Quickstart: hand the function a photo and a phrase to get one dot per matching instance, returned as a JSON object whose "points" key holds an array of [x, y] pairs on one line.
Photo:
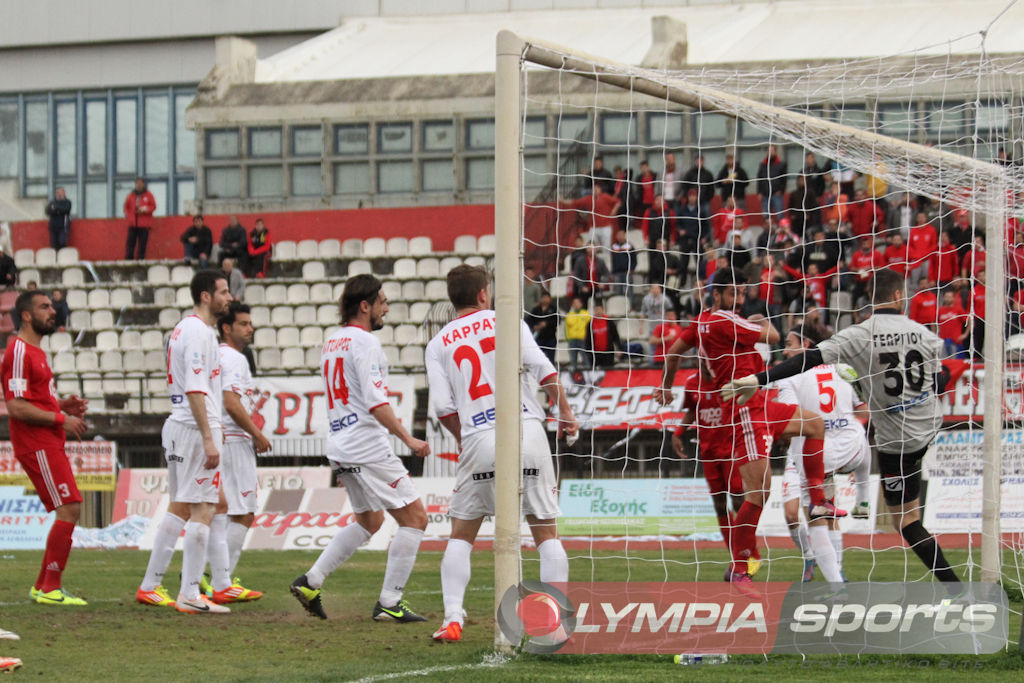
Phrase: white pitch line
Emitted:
{"points": [[490, 662], [32, 602]]}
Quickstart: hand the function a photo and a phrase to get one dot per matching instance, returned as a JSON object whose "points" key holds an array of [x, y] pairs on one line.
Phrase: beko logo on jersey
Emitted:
{"points": [[836, 423], [347, 421], [177, 398], [483, 417], [463, 332]]}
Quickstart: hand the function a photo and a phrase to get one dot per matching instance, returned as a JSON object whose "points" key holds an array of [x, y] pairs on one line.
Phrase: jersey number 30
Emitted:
{"points": [[477, 389]]}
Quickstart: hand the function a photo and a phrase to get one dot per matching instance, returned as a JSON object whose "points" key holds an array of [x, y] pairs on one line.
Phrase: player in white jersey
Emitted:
{"points": [[192, 439], [899, 363], [355, 373], [823, 390], [236, 508], [460, 371]]}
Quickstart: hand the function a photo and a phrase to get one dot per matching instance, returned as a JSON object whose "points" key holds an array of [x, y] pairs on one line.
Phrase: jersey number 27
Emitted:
{"points": [[477, 389]]}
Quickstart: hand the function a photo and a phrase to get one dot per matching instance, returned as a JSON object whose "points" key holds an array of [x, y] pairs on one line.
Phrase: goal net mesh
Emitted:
{"points": [[806, 179]]}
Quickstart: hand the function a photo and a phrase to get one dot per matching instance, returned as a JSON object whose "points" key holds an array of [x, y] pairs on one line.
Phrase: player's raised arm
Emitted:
{"points": [[567, 423], [663, 394]]}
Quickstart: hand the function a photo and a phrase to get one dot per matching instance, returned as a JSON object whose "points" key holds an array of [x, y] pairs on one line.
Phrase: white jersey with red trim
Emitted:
{"points": [[355, 374], [236, 378], [461, 368], [193, 366]]}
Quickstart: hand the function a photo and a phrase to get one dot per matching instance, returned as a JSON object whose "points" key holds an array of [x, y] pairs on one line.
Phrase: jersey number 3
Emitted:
{"points": [[337, 390], [477, 389]]}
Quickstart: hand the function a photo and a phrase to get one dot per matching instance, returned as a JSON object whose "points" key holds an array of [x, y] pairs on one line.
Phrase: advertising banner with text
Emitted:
{"points": [[93, 462]]}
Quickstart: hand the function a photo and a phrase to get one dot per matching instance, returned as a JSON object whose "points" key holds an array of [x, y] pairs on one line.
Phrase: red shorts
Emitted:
{"points": [[722, 475], [50, 472], [755, 425]]}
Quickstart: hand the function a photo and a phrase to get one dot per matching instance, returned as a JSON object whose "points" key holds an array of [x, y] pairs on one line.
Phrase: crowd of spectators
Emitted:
{"points": [[808, 241]]}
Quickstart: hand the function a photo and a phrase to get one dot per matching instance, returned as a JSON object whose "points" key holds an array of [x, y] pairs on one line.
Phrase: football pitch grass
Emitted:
{"points": [[273, 640]]}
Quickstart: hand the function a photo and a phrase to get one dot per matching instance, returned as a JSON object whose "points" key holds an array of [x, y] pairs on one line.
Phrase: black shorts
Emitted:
{"points": [[901, 476]]}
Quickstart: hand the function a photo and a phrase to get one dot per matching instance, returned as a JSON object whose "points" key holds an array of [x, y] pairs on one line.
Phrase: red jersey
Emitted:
{"points": [[598, 212], [921, 243], [670, 332], [864, 265], [951, 321], [978, 297], [944, 264], [706, 405], [896, 259], [924, 307], [725, 345], [26, 374]]}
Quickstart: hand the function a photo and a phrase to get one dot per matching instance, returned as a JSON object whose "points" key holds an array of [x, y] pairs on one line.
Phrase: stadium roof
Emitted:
{"points": [[789, 30]]}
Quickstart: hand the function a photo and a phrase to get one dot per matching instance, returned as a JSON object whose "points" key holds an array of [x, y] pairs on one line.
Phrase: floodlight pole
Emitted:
{"points": [[508, 206]]}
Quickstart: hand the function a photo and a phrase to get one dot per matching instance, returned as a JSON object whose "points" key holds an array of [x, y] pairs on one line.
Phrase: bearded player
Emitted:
{"points": [[460, 369], [823, 389], [39, 423], [726, 349], [355, 372]]}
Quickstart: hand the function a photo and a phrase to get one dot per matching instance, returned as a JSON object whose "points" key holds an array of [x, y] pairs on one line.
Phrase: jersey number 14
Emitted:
{"points": [[337, 390]]}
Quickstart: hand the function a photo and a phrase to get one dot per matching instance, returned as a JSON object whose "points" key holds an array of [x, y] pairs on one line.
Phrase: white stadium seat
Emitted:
{"points": [[287, 336], [327, 313], [305, 315], [311, 336], [321, 293], [46, 257], [64, 362], [260, 316], [436, 290], [129, 339], [60, 341], [406, 334], [298, 294], [169, 317], [68, 256], [155, 361], [386, 334], [465, 244], [102, 319], [99, 298], [72, 277], [24, 258], [107, 340], [282, 316], [398, 246], [276, 295], [269, 358], [182, 275], [293, 358], [616, 306], [449, 262], [374, 247], [158, 275], [420, 246], [359, 267], [307, 250], [80, 320], [110, 361], [284, 251], [86, 361], [485, 244], [476, 261], [121, 297], [313, 270], [412, 290], [265, 337], [405, 268], [134, 361], [398, 310], [411, 356], [392, 290], [152, 340], [77, 299], [313, 357], [163, 296], [255, 293], [419, 311], [113, 385], [391, 353], [558, 286], [183, 297], [428, 268], [352, 248], [329, 248]]}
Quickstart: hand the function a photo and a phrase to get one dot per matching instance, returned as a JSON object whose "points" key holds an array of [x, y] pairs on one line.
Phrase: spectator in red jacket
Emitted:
{"points": [[664, 335], [944, 263], [977, 309], [924, 305], [659, 223], [896, 255], [863, 264], [648, 180], [816, 284], [952, 319], [973, 259], [599, 211], [139, 207], [725, 220], [865, 215], [259, 249], [922, 242]]}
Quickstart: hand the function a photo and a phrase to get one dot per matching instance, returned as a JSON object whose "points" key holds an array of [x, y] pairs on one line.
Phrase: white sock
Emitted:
{"points": [[799, 535], [236, 538], [862, 480], [455, 573], [217, 553], [824, 553], [554, 563], [401, 558], [337, 551], [197, 536], [167, 533], [837, 544]]}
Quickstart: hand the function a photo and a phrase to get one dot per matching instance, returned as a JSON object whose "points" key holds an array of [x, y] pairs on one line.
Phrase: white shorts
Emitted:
{"points": [[473, 496], [381, 485], [188, 481], [240, 481], [843, 461]]}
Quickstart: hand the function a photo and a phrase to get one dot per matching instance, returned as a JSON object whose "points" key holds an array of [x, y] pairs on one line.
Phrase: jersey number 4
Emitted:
{"points": [[337, 390], [477, 389]]}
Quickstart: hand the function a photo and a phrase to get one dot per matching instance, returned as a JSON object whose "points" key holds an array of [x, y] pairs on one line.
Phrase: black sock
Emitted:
{"points": [[922, 543]]}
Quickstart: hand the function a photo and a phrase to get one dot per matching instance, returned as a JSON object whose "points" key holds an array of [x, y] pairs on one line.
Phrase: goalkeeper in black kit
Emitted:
{"points": [[899, 365]]}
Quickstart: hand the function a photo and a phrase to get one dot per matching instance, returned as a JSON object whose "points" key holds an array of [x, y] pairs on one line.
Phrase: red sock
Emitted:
{"points": [[725, 524], [814, 469], [744, 535], [58, 547]]}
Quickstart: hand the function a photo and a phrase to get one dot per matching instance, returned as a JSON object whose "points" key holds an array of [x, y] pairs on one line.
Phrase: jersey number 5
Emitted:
{"points": [[337, 390], [477, 389], [826, 392]]}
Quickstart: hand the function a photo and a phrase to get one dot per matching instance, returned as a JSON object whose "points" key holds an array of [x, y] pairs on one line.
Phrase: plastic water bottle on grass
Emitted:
{"points": [[698, 660]]}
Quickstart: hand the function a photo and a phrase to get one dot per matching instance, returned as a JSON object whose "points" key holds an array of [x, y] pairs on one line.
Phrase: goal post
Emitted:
{"points": [[915, 168]]}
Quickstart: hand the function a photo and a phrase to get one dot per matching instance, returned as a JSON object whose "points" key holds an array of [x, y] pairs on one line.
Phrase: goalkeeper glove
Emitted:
{"points": [[741, 389], [847, 373]]}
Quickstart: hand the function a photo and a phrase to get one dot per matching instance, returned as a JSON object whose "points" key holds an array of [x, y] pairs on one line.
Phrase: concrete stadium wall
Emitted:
{"points": [[104, 239]]}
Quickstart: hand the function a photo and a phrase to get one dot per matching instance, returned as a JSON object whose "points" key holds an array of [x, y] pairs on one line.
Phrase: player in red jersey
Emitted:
{"points": [[39, 422], [702, 406], [725, 343]]}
